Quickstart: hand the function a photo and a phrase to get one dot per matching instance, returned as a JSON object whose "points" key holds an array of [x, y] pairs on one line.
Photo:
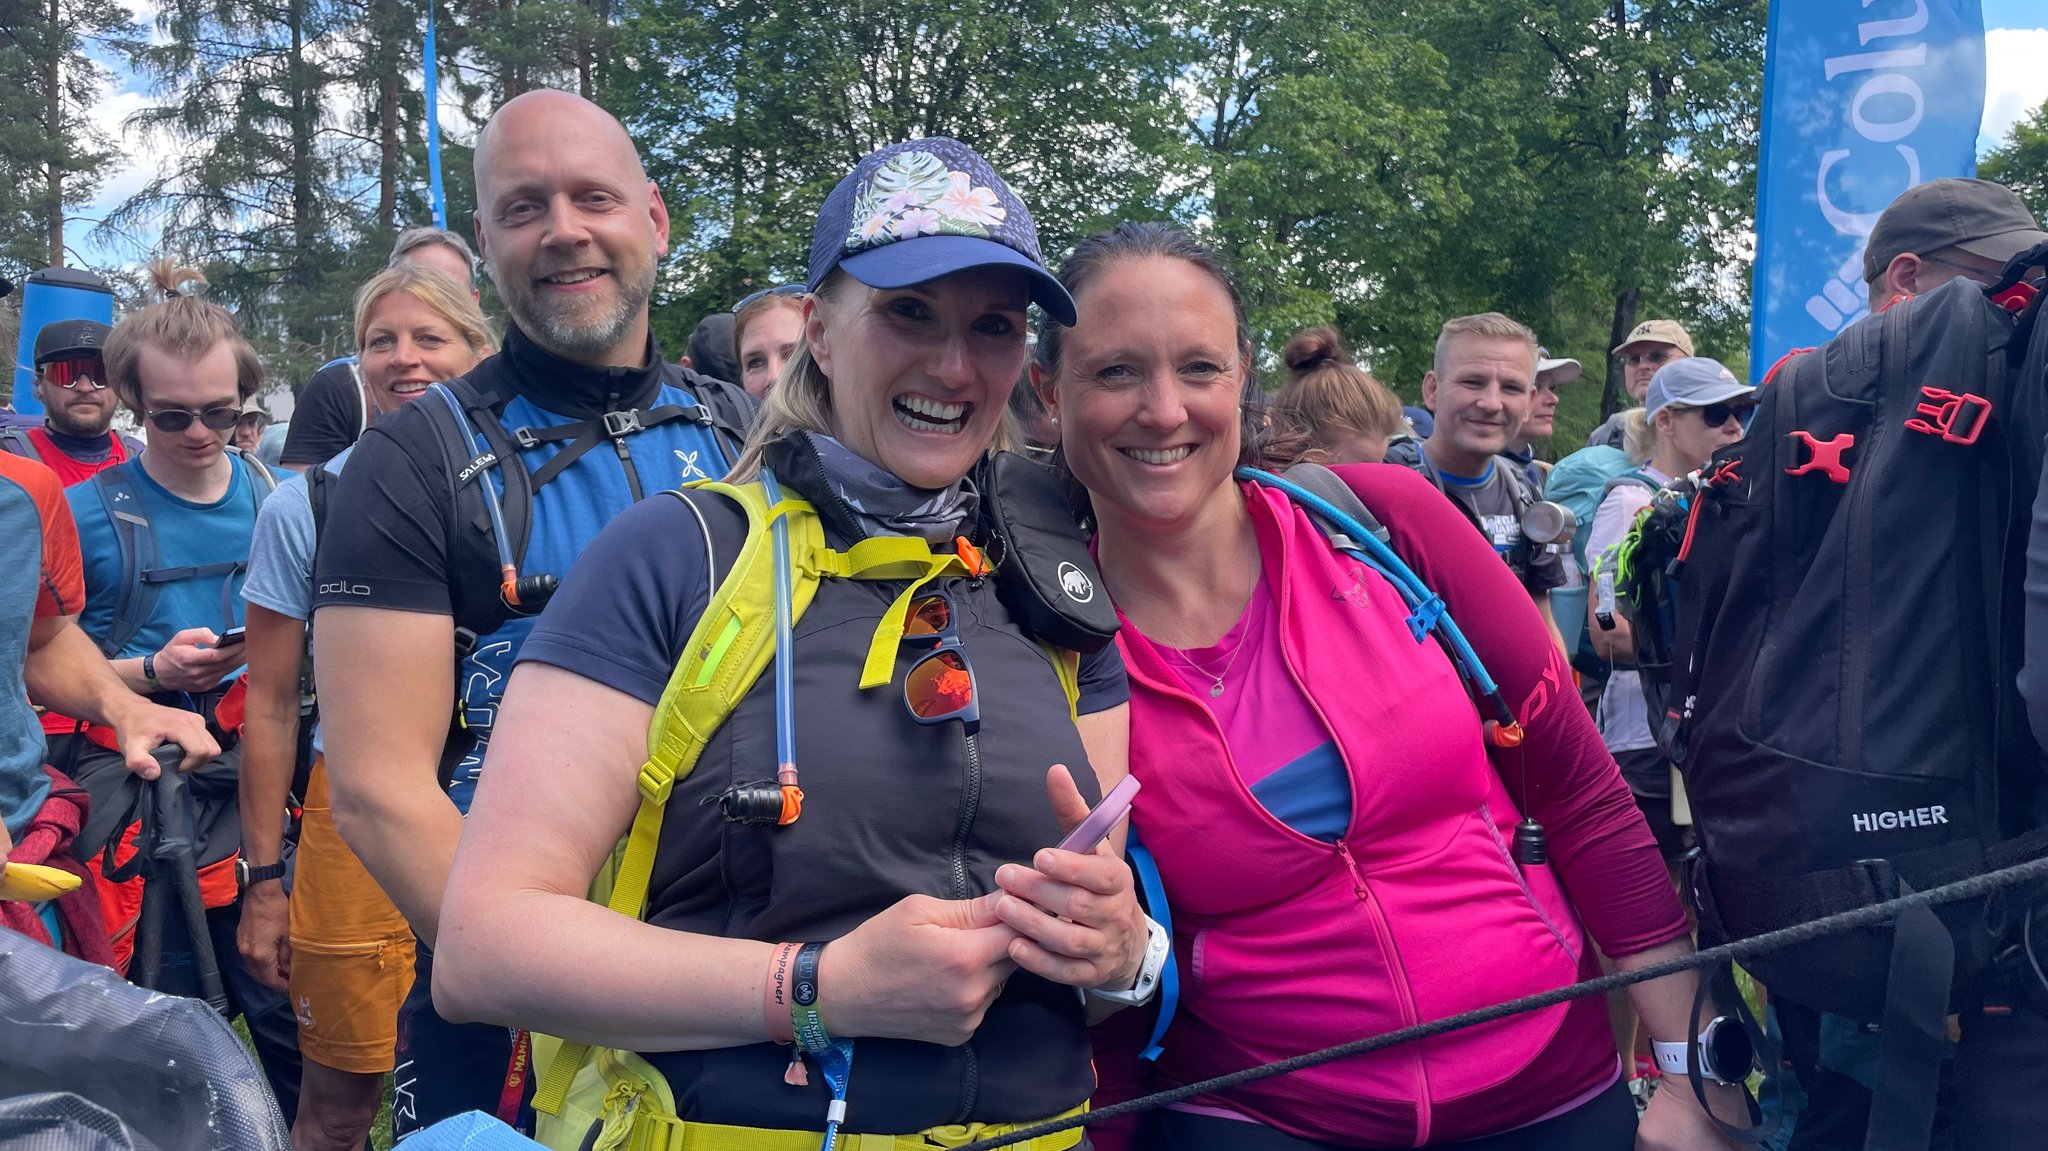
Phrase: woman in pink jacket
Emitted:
{"points": [[1333, 836]]}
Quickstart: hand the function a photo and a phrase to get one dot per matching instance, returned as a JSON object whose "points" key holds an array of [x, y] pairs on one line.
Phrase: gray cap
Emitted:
{"points": [[1981, 218], [1693, 382]]}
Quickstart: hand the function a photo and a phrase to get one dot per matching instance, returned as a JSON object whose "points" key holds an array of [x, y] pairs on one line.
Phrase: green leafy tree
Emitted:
{"points": [[748, 112], [2021, 163]]}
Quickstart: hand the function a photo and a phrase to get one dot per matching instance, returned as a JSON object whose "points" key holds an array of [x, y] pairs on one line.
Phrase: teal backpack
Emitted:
{"points": [[1579, 482]]}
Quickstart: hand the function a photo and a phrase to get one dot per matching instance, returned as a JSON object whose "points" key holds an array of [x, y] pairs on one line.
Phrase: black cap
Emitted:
{"points": [[70, 339], [1981, 218]]}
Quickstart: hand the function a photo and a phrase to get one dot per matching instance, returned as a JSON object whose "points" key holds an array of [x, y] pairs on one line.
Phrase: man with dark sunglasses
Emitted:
{"points": [[164, 540], [77, 438]]}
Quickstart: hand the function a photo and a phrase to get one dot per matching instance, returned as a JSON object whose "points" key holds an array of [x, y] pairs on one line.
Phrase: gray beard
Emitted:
{"points": [[583, 342]]}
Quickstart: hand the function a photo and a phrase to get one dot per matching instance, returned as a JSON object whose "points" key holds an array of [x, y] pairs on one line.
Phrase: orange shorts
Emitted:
{"points": [[352, 952]]}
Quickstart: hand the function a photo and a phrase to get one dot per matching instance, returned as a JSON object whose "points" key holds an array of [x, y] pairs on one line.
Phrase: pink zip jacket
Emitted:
{"points": [[1286, 944]]}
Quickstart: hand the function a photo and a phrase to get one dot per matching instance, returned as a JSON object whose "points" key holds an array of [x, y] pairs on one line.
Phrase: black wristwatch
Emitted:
{"points": [[247, 876]]}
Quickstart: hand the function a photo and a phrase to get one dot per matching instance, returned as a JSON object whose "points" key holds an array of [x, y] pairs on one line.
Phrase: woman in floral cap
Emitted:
{"points": [[896, 947]]}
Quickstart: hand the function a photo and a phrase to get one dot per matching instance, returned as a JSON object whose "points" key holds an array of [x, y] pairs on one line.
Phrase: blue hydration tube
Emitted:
{"points": [[1426, 607], [785, 641], [508, 571]]}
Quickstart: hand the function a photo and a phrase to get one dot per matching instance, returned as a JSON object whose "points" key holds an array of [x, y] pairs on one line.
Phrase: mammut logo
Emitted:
{"points": [[1076, 583], [340, 587], [1895, 820]]}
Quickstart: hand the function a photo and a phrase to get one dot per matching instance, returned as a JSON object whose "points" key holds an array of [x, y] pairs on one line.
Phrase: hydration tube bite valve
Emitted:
{"points": [[526, 594]]}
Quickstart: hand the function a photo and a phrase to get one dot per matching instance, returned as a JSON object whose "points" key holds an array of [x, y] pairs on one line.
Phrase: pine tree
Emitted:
{"points": [[51, 153], [260, 189]]}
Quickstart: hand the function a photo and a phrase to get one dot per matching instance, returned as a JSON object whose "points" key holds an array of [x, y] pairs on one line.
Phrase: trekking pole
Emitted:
{"points": [[177, 867]]}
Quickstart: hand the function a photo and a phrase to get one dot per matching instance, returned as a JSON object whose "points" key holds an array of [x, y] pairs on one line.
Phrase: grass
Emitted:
{"points": [[380, 1130]]}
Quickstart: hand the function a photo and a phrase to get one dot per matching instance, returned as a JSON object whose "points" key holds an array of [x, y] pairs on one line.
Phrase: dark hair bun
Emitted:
{"points": [[1311, 348]]}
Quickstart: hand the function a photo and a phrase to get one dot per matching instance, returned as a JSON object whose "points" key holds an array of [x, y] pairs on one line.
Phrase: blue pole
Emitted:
{"points": [[432, 77]]}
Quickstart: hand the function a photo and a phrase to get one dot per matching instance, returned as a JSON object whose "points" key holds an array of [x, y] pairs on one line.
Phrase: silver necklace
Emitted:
{"points": [[1243, 641]]}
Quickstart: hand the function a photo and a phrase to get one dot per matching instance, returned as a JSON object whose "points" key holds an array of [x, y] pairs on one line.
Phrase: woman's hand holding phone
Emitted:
{"points": [[1076, 909]]}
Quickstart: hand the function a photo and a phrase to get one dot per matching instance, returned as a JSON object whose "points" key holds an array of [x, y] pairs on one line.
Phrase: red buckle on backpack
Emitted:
{"points": [[1827, 456], [1959, 419]]}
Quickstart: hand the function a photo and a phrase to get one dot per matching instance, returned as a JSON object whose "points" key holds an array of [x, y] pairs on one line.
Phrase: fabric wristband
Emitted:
{"points": [[776, 1009], [149, 670], [803, 1001]]}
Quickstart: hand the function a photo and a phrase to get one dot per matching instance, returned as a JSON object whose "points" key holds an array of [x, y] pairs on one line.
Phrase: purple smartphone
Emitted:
{"points": [[1102, 818]]}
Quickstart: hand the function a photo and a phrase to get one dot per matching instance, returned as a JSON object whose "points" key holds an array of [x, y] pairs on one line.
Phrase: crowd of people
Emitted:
{"points": [[666, 754]]}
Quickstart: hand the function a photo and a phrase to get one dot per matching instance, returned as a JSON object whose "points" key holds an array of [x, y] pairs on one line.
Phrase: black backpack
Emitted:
{"points": [[1845, 648]]}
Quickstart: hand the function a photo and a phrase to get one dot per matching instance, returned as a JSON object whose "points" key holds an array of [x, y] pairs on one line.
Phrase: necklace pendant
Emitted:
{"points": [[1217, 691]]}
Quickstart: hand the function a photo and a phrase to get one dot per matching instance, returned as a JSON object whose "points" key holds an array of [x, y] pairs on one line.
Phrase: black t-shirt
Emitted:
{"points": [[328, 417], [628, 607], [386, 543]]}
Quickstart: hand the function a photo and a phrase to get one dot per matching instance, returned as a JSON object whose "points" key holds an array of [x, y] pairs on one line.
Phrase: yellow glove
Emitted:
{"points": [[34, 883]]}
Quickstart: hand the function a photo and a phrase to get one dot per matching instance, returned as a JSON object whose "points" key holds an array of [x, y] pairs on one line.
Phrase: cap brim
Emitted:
{"points": [[907, 263], [1622, 349], [1560, 371], [95, 352], [1728, 391], [2005, 245]]}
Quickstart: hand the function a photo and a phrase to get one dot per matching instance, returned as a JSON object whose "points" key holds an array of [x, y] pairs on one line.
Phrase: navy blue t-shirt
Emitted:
{"points": [[625, 612]]}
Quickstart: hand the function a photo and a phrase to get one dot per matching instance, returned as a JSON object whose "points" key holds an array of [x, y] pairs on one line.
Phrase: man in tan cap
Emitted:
{"points": [[1649, 346], [1943, 229]]}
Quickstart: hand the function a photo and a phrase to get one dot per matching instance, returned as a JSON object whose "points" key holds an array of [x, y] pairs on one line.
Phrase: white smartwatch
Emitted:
{"points": [[1724, 1050], [1158, 949]]}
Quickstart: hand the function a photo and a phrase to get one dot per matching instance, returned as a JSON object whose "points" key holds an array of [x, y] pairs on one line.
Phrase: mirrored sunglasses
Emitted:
{"points": [[940, 685], [90, 371]]}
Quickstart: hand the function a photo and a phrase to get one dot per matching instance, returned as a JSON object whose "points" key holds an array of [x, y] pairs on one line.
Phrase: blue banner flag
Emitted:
{"points": [[431, 76], [1862, 100]]}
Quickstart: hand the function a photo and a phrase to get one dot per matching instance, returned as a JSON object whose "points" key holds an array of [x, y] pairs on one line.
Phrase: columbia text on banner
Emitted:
{"points": [[1862, 100]]}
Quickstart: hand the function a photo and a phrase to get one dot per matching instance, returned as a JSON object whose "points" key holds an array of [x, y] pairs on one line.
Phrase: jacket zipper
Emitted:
{"points": [[970, 1083], [1403, 994], [1171, 686], [970, 802]]}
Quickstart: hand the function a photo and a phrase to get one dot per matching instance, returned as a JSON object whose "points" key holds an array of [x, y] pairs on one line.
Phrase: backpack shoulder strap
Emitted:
{"points": [[1632, 478], [262, 476], [1152, 891], [1518, 479], [728, 649], [15, 441], [732, 407], [319, 489], [1329, 485], [122, 499]]}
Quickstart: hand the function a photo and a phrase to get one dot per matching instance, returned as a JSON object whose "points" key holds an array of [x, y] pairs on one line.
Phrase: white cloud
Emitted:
{"points": [[139, 159], [2015, 83]]}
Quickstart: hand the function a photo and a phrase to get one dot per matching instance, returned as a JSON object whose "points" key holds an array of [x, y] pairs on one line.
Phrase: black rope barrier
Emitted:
{"points": [[1861, 917]]}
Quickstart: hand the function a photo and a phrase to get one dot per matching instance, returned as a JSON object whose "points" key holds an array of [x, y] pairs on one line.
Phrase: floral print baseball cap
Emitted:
{"points": [[922, 209]]}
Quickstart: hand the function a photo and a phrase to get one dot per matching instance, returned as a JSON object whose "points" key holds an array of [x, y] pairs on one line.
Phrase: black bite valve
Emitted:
{"points": [[752, 804], [529, 594], [1531, 849]]}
